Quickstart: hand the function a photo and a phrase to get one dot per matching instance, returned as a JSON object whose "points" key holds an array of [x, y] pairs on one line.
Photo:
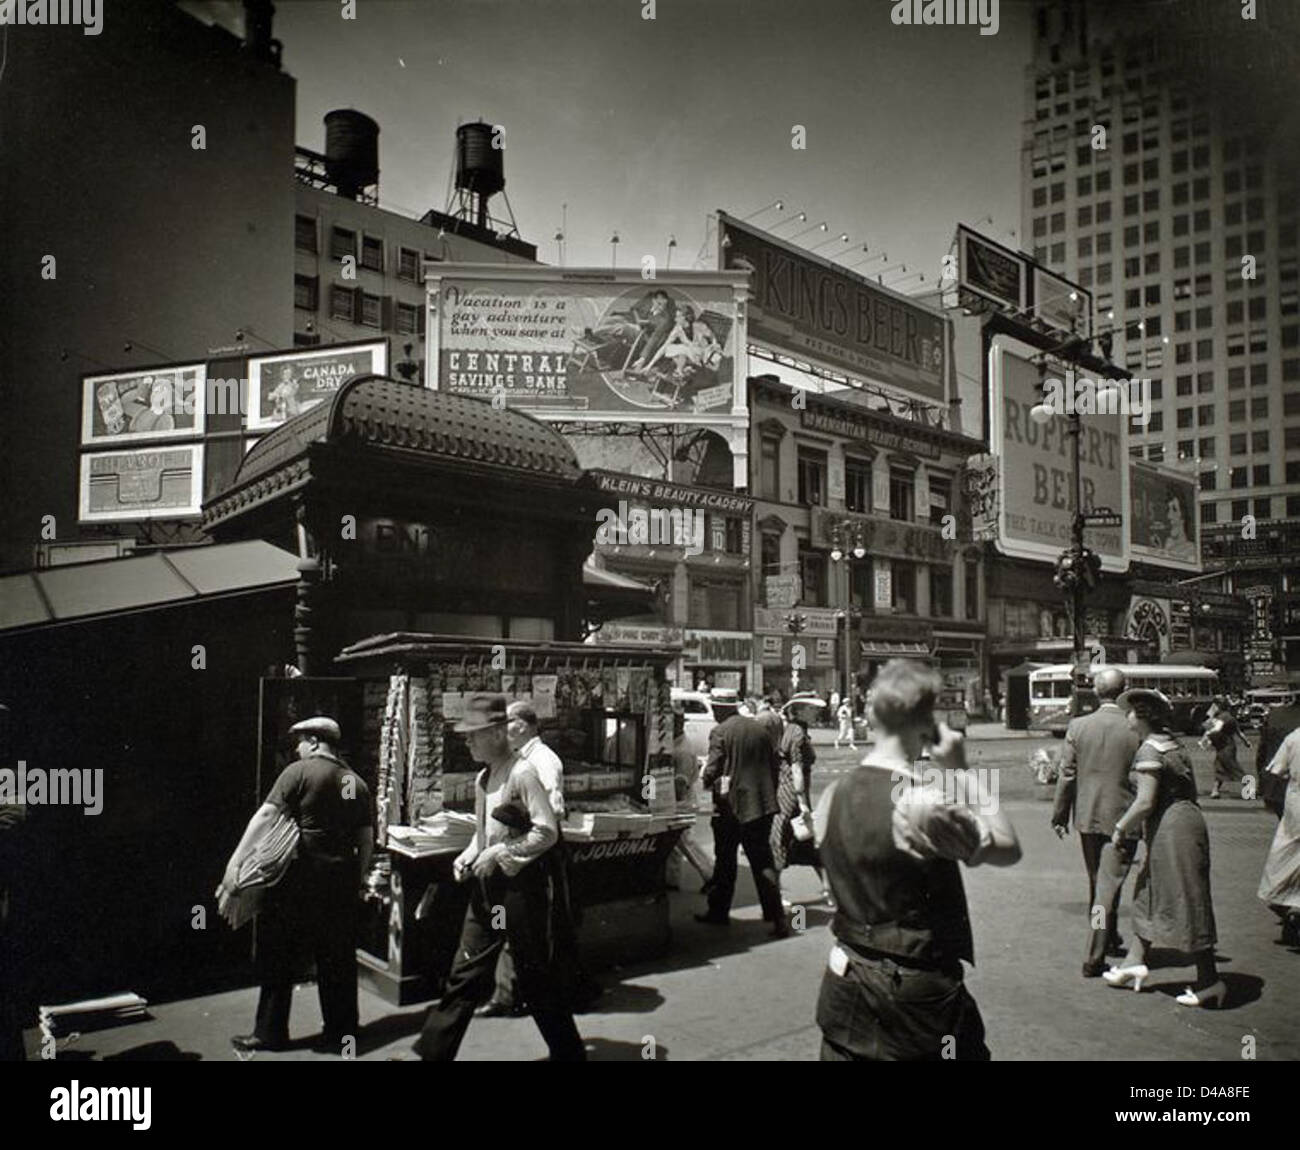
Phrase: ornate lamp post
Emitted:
{"points": [[795, 622]]}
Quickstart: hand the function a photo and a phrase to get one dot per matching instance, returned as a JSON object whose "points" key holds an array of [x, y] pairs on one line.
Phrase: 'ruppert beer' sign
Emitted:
{"points": [[804, 307]]}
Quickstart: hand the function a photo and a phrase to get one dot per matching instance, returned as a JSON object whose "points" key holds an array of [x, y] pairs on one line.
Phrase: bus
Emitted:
{"points": [[1053, 701]]}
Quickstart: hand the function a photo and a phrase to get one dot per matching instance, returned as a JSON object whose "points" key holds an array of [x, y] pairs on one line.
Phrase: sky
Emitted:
{"points": [[645, 126]]}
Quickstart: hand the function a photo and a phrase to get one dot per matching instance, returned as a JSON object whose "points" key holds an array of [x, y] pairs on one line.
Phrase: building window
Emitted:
{"points": [[372, 253], [343, 242], [1205, 415], [716, 604], [342, 303], [306, 292], [1206, 447], [1259, 442], [1261, 475], [1207, 480], [941, 592], [940, 498], [1263, 508], [812, 566], [902, 494], [769, 468], [408, 319], [1237, 443], [1185, 417], [904, 587], [812, 477], [860, 583], [972, 581], [1156, 453], [371, 310], [304, 234], [1209, 513], [408, 265], [857, 484], [1239, 476], [1259, 407]]}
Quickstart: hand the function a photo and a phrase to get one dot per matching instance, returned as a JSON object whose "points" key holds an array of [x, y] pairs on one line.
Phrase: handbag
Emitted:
{"points": [[802, 825]]}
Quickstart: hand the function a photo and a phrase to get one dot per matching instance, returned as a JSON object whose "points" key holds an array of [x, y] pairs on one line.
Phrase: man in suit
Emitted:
{"points": [[1094, 786], [1278, 723], [742, 772], [769, 718]]}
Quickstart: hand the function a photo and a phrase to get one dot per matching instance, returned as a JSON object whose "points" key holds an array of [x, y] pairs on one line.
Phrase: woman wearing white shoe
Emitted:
{"points": [[1172, 907]]}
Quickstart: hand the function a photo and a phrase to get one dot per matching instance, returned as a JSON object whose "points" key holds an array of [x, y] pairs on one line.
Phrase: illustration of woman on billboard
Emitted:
{"points": [[1178, 543], [284, 396]]}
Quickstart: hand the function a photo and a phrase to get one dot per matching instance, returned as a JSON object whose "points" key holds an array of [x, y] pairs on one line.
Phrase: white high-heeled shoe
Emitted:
{"points": [[1124, 975], [1212, 996]]}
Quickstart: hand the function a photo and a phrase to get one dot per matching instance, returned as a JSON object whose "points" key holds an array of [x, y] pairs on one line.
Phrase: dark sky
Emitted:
{"points": [[645, 126]]}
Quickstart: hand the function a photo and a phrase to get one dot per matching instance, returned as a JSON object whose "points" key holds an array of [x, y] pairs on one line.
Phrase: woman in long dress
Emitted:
{"points": [[793, 789], [1172, 907], [1279, 885]]}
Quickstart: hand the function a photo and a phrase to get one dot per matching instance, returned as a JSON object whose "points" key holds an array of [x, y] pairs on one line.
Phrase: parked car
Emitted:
{"points": [[701, 717]]}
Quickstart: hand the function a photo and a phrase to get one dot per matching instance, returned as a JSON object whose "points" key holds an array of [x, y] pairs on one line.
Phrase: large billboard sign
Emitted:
{"points": [[1036, 473], [147, 483], [1163, 522], [990, 274], [590, 345], [143, 404], [284, 385], [813, 310]]}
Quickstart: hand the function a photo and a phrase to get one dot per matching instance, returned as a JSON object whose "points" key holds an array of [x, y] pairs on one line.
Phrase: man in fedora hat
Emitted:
{"points": [[312, 910], [508, 895]]}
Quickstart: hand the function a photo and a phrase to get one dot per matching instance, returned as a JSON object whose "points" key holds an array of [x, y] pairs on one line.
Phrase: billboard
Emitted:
{"points": [[1036, 473], [286, 384], [143, 404], [591, 345], [811, 309], [1164, 525], [990, 271], [1061, 304], [146, 483]]}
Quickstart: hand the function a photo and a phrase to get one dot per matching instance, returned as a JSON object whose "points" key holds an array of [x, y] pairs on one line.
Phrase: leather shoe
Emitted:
{"points": [[780, 930], [496, 1009], [251, 1043], [712, 920], [1115, 948], [1093, 969]]}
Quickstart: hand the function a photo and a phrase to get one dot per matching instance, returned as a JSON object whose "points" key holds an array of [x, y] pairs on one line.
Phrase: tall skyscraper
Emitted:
{"points": [[1160, 168]]}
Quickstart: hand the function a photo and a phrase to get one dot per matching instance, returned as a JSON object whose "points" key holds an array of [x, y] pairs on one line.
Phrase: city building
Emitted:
{"points": [[862, 550], [1158, 173]]}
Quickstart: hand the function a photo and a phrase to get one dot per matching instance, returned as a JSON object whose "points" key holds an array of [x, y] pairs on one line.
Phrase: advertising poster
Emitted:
{"points": [[991, 271], [145, 404], [1164, 526], [157, 483], [1036, 478], [1060, 303], [817, 311], [285, 385], [559, 346]]}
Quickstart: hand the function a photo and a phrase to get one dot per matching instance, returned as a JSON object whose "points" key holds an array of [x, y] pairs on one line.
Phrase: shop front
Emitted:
{"points": [[441, 549], [798, 650], [720, 659]]}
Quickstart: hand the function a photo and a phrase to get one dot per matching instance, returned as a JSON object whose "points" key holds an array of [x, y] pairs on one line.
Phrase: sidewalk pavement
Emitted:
{"points": [[734, 994], [977, 730]]}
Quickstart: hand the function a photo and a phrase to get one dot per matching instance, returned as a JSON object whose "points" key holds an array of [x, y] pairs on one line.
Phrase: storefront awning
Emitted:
{"points": [[136, 583], [610, 595], [895, 651]]}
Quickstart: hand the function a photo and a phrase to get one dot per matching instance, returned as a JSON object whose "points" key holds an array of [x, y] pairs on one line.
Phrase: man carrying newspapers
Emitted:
{"points": [[300, 864]]}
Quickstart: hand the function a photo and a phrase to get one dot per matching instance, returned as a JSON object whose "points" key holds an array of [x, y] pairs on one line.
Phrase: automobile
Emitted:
{"points": [[1082, 701], [701, 717], [1261, 700]]}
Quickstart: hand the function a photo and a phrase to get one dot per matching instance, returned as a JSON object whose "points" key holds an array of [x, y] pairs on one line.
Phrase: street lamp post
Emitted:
{"points": [[845, 550], [795, 622]]}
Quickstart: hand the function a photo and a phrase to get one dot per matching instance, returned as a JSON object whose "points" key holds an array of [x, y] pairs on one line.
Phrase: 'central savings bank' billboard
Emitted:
{"points": [[1036, 466]]}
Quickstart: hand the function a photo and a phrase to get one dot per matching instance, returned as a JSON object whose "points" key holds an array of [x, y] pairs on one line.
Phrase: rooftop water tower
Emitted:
{"points": [[352, 154], [480, 175]]}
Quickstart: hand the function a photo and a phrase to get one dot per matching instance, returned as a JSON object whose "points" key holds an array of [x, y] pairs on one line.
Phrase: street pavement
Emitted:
{"points": [[735, 994]]}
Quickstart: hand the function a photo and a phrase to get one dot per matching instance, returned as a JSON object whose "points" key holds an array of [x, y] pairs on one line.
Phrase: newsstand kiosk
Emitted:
{"points": [[441, 545]]}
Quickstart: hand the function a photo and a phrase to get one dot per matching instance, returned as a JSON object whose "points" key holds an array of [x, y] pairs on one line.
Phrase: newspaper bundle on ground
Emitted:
{"points": [[91, 1014], [445, 831]]}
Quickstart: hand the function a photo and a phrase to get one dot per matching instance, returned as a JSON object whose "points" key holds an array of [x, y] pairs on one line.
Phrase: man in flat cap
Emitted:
{"points": [[508, 895], [312, 910]]}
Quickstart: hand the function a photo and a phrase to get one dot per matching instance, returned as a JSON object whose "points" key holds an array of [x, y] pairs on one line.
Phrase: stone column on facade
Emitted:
{"points": [[959, 561], [922, 588]]}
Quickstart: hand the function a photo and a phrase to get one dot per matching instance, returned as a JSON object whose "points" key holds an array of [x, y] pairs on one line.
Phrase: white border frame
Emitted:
{"points": [[1160, 558], [257, 421], [964, 236], [90, 383], [1019, 548], [85, 515]]}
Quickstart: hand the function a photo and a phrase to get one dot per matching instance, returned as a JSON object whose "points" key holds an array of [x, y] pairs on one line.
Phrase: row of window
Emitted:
{"points": [[370, 254], [358, 306], [1239, 508], [1239, 443], [814, 568]]}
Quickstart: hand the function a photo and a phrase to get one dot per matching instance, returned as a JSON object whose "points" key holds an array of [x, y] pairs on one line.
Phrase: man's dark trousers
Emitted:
{"points": [[310, 913], [1107, 869], [729, 836], [522, 900]]}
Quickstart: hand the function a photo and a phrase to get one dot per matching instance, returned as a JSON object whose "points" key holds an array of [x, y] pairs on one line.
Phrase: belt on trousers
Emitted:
{"points": [[864, 952]]}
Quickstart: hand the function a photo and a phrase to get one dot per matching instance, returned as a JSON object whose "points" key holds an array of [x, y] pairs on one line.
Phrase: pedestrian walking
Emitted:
{"points": [[894, 989], [1222, 732], [769, 718], [686, 770], [1278, 723], [311, 911], [1279, 885], [792, 832], [1172, 905], [742, 773], [1093, 787], [844, 715], [508, 896]]}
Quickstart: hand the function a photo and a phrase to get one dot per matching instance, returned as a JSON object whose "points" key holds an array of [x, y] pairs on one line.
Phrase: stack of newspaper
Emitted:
{"points": [[91, 1014], [445, 831]]}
